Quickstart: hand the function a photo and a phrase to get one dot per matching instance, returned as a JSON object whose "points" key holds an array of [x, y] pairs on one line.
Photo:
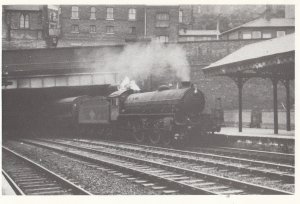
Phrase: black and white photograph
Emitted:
{"points": [[148, 99]]}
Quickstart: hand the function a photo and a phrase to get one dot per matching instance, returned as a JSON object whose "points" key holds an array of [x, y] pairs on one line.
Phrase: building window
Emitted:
{"points": [[162, 20], [93, 13], [256, 34], [75, 12], [75, 29], [199, 9], [162, 39], [280, 33], [109, 29], [190, 38], [24, 21], [110, 13], [53, 16], [92, 29], [132, 14], [266, 35], [132, 30], [246, 35], [180, 16]]}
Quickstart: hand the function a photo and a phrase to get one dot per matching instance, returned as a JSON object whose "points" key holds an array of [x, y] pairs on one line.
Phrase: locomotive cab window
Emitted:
{"points": [[115, 102]]}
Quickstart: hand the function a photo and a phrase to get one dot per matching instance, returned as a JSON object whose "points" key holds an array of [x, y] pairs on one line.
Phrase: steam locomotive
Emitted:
{"points": [[163, 117]]}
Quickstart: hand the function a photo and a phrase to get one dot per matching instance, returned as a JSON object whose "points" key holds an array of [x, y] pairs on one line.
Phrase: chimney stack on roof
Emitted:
{"points": [[268, 12]]}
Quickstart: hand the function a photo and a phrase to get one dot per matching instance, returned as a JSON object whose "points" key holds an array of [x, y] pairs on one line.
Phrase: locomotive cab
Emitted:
{"points": [[116, 100]]}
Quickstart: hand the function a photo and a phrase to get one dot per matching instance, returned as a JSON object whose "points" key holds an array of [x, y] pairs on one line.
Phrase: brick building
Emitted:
{"points": [[262, 28], [92, 24], [117, 24], [28, 26], [162, 23]]}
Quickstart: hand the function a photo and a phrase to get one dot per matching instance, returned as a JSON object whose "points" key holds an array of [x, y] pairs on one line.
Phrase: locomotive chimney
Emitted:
{"points": [[186, 84]]}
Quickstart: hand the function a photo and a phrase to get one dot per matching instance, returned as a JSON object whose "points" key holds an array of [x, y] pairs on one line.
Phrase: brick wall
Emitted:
{"points": [[171, 31], [122, 25]]}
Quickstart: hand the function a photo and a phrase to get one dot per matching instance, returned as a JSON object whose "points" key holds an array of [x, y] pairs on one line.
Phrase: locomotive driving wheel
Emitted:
{"points": [[138, 134], [155, 137], [166, 139]]}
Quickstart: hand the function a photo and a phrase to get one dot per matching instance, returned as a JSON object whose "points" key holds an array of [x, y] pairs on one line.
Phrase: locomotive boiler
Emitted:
{"points": [[164, 116]]}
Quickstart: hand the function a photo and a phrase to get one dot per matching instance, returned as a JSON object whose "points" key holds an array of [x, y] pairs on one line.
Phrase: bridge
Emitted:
{"points": [[56, 67]]}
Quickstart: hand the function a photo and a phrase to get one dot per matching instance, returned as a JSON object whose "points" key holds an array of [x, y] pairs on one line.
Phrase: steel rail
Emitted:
{"points": [[253, 188], [287, 177], [77, 190], [13, 185]]}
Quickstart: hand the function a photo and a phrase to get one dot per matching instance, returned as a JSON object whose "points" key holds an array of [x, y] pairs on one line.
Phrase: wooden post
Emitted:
{"points": [[240, 83], [240, 87], [275, 81], [288, 107]]}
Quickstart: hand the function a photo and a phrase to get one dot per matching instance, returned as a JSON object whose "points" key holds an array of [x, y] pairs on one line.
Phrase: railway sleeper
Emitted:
{"points": [[204, 184], [158, 187], [43, 189], [231, 192], [216, 188], [56, 192], [28, 180], [39, 185], [170, 191], [148, 184], [192, 181], [27, 177], [31, 182]]}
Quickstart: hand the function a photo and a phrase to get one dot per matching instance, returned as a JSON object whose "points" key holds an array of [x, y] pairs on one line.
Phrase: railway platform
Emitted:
{"points": [[257, 132], [255, 138], [6, 188]]}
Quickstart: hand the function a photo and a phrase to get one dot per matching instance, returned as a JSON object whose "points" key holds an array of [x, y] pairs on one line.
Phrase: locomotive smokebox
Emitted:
{"points": [[186, 84]]}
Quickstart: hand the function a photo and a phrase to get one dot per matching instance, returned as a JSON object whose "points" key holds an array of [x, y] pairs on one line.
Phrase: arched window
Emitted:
{"points": [[180, 16], [75, 12], [93, 13], [26, 21], [22, 20]]}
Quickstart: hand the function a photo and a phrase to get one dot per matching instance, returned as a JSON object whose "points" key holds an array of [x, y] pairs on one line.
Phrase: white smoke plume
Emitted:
{"points": [[129, 84], [140, 60]]}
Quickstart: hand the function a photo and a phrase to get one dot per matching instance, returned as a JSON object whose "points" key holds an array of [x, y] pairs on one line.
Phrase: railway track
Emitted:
{"points": [[150, 172], [27, 177], [269, 169], [277, 157]]}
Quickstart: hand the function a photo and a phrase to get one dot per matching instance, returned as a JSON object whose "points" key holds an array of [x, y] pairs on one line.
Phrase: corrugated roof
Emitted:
{"points": [[199, 32], [256, 50], [24, 7], [262, 22]]}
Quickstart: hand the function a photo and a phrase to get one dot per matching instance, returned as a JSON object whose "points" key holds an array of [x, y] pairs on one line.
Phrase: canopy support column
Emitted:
{"points": [[275, 82], [240, 83], [288, 107], [240, 87]]}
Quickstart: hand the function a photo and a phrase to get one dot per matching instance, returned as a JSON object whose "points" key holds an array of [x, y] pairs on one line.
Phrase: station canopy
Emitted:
{"points": [[262, 59]]}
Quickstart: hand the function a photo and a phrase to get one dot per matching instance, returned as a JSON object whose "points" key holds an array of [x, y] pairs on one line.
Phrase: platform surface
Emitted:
{"points": [[6, 188], [257, 132]]}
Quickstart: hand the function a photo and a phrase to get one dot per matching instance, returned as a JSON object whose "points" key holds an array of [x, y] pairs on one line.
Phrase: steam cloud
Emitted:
{"points": [[141, 60]]}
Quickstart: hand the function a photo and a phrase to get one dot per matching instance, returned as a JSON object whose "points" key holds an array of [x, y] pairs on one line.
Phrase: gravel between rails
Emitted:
{"points": [[96, 181], [260, 180]]}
